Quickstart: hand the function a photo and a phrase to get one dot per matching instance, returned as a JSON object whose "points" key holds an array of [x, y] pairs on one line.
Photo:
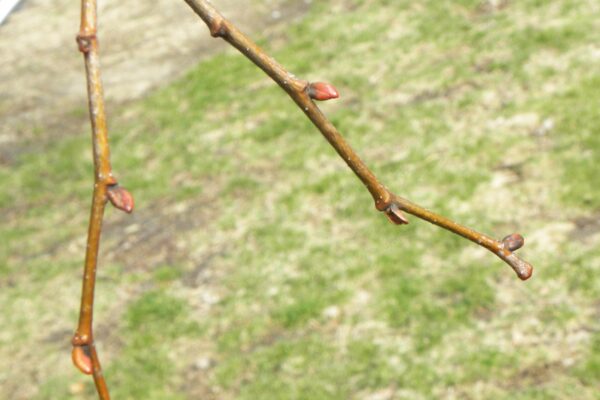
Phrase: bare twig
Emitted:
{"points": [[303, 93], [106, 188]]}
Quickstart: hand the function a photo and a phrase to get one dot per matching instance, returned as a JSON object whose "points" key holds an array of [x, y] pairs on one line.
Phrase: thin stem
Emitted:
{"points": [[84, 354], [303, 93]]}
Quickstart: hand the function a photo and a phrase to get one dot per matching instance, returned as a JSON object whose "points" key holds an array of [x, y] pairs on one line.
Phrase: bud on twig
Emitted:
{"points": [[322, 91], [120, 198], [218, 29], [395, 215], [82, 361], [513, 242], [84, 42]]}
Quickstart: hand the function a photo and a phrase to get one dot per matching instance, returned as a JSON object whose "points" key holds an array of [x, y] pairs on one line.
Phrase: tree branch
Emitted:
{"points": [[303, 93], [106, 188]]}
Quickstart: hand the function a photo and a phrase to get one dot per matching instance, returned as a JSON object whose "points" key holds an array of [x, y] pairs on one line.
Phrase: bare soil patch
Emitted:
{"points": [[144, 45]]}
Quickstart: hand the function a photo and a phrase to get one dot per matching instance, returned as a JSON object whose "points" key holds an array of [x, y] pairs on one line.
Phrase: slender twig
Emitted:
{"points": [[303, 93], [106, 188]]}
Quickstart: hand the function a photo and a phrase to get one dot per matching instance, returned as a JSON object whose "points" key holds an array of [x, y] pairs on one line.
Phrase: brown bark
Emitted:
{"points": [[303, 93], [106, 188]]}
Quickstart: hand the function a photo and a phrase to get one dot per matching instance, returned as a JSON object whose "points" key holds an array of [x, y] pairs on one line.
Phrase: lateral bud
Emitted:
{"points": [[395, 215], [84, 41], [322, 91], [120, 198], [513, 242], [218, 29], [82, 360]]}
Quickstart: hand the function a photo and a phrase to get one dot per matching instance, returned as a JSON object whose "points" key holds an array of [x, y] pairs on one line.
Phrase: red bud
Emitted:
{"points": [[81, 360], [513, 242], [395, 215], [120, 198], [322, 91]]}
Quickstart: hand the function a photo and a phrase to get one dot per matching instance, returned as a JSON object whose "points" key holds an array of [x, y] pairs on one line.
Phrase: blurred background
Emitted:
{"points": [[255, 265]]}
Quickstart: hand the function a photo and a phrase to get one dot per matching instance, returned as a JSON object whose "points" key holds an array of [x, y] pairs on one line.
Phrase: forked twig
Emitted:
{"points": [[106, 188], [303, 93]]}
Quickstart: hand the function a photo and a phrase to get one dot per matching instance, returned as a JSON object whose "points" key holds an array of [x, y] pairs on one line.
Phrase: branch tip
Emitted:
{"points": [[322, 91], [522, 268]]}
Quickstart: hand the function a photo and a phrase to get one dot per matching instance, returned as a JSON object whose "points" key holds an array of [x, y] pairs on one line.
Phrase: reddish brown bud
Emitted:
{"points": [[513, 242], [120, 198], [322, 91], [82, 360], [218, 29], [84, 42], [395, 215]]}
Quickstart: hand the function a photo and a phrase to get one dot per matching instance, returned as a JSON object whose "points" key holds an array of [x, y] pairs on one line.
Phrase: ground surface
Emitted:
{"points": [[144, 45], [255, 266]]}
